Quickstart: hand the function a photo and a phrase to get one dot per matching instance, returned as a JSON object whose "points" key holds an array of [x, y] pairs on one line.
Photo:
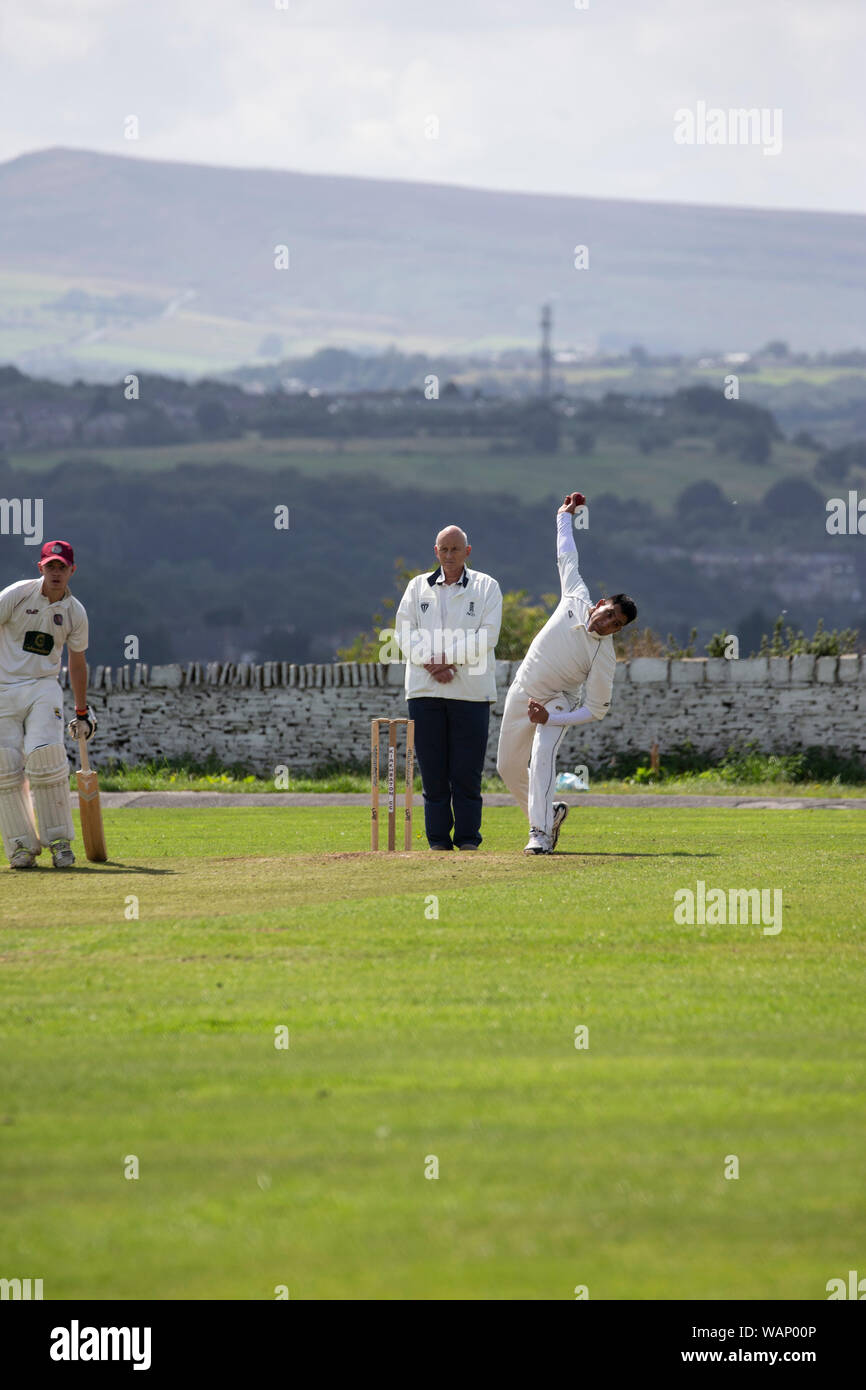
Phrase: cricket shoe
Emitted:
{"points": [[538, 842], [23, 858], [61, 854], [560, 811]]}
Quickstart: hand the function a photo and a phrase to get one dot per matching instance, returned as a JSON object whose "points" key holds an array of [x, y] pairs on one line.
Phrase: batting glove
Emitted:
{"points": [[84, 724]]}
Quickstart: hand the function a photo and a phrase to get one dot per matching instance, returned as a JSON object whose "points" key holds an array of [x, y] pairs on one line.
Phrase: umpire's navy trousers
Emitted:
{"points": [[450, 743]]}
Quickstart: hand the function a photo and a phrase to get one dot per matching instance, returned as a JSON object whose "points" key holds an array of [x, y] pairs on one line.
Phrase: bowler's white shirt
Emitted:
{"points": [[564, 655], [24, 608]]}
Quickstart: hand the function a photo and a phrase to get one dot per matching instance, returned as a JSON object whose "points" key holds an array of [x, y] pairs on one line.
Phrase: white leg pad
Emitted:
{"points": [[17, 825], [48, 770]]}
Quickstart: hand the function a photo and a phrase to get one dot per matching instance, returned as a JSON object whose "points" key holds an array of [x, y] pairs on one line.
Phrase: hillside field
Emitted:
{"points": [[468, 465]]}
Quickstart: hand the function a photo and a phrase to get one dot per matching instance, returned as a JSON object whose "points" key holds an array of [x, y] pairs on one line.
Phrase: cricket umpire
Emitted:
{"points": [[447, 627]]}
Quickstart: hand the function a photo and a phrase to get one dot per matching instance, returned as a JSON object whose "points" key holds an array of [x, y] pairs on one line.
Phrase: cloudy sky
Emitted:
{"points": [[531, 95]]}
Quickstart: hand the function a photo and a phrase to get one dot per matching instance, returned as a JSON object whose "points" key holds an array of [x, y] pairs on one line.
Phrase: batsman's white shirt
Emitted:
{"points": [[33, 631], [564, 656]]}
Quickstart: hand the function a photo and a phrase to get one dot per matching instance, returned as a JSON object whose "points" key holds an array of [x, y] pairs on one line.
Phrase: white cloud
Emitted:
{"points": [[50, 35]]}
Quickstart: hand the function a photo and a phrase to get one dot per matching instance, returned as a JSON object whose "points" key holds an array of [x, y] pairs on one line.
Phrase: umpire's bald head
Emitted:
{"points": [[452, 551]]}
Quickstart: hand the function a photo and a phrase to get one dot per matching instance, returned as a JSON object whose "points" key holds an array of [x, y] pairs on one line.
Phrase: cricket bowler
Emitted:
{"points": [[573, 649], [37, 616]]}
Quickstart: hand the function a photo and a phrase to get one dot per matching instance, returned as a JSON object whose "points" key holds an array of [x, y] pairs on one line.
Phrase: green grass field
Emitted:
{"points": [[453, 1036], [710, 783]]}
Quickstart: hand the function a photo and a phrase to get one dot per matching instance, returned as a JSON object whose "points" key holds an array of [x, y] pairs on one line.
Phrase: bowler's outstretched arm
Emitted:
{"points": [[566, 549]]}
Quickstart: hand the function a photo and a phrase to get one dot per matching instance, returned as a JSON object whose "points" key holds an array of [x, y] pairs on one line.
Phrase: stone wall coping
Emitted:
{"points": [[699, 670]]}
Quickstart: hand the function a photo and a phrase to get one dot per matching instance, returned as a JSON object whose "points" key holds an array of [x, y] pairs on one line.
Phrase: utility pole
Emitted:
{"points": [[544, 352]]}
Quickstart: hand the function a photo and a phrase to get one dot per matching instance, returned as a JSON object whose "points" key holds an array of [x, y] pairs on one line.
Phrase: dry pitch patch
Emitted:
{"points": [[215, 865], [218, 864], [218, 887]]}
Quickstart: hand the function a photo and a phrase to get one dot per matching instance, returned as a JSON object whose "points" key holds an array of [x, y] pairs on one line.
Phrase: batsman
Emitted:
{"points": [[37, 617]]}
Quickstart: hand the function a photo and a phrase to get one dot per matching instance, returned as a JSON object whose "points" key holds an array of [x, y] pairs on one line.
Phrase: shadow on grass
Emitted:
{"points": [[111, 866], [624, 854]]}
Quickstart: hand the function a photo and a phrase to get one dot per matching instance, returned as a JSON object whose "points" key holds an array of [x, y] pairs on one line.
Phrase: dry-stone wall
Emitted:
{"points": [[304, 716]]}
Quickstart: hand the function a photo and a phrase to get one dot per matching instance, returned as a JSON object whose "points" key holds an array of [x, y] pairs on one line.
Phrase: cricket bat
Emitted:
{"points": [[90, 808]]}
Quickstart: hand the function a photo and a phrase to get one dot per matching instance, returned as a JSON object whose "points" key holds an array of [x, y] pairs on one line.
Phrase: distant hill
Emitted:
{"points": [[112, 263]]}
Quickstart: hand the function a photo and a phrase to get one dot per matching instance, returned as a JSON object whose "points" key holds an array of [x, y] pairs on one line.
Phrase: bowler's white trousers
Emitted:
{"points": [[526, 757]]}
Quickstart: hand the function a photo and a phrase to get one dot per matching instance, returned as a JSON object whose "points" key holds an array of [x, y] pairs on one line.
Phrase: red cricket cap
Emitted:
{"points": [[57, 550]]}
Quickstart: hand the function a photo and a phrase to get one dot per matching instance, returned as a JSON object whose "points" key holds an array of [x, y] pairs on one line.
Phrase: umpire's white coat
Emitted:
{"points": [[458, 621]]}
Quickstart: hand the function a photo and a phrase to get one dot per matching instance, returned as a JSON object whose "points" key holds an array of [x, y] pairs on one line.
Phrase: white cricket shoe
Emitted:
{"points": [[538, 842], [62, 854], [23, 858], [560, 811]]}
